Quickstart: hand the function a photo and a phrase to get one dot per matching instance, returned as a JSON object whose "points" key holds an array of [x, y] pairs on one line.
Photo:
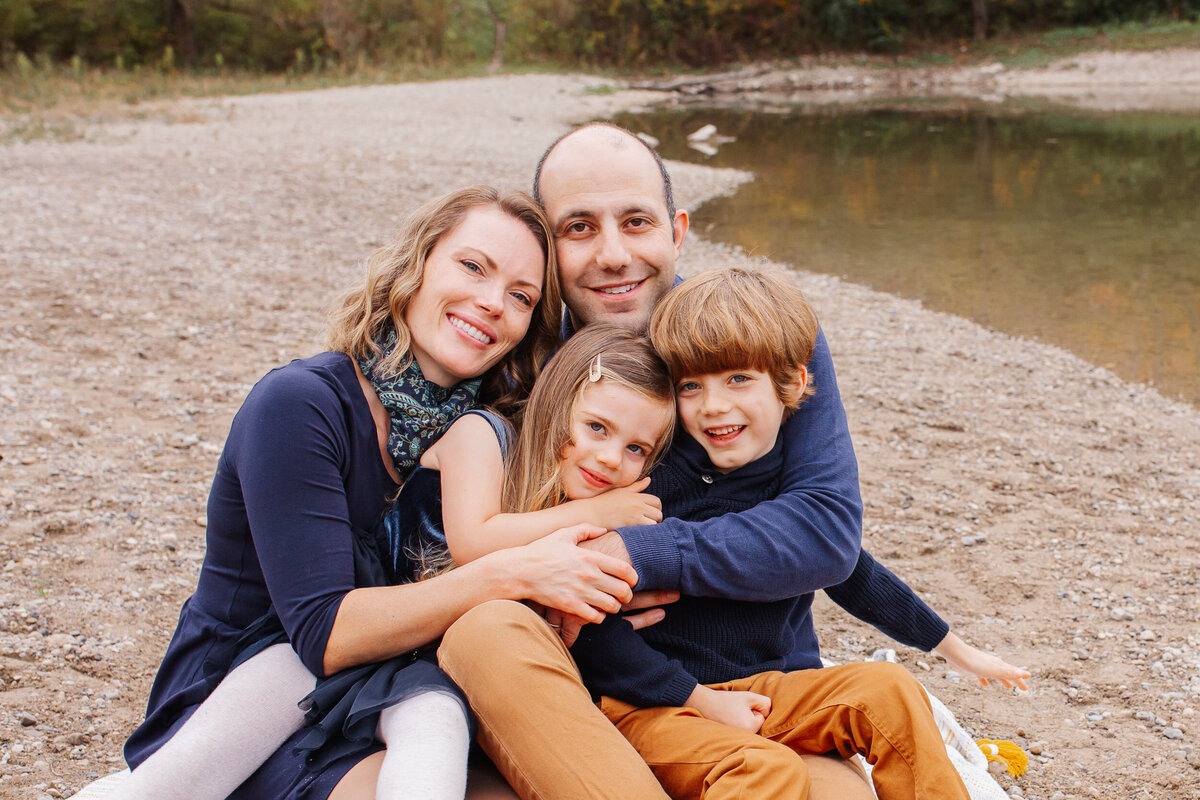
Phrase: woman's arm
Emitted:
{"points": [[289, 450], [377, 623], [472, 473]]}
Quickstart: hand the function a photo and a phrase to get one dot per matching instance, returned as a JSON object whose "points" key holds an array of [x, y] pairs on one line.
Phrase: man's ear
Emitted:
{"points": [[679, 229]]}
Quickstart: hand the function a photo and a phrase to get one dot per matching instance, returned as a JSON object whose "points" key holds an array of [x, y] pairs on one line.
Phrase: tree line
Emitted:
{"points": [[278, 35]]}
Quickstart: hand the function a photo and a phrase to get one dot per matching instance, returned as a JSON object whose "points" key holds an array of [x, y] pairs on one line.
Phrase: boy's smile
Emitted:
{"points": [[735, 415]]}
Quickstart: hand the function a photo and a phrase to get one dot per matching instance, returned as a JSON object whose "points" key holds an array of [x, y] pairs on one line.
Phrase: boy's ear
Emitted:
{"points": [[801, 380]]}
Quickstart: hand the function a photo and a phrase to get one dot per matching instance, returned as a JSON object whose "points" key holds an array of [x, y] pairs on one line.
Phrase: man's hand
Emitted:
{"points": [[610, 544], [569, 625]]}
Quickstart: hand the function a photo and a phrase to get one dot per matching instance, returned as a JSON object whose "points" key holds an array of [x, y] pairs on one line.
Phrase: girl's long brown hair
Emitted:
{"points": [[532, 475]]}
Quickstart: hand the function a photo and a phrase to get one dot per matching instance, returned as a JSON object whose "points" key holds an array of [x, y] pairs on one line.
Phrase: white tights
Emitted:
{"points": [[246, 719], [427, 740], [253, 711]]}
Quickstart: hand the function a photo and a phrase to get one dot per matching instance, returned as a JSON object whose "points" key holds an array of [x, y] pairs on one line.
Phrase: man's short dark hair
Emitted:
{"points": [[668, 193]]}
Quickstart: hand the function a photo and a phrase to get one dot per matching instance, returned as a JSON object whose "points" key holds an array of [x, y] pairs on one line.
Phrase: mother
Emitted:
{"points": [[461, 308]]}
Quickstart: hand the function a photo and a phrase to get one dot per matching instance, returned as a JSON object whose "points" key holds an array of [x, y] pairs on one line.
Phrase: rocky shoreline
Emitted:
{"points": [[1100, 81], [155, 268]]}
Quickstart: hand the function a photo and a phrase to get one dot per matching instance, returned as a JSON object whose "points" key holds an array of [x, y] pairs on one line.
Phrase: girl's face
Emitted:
{"points": [[614, 429], [482, 281]]}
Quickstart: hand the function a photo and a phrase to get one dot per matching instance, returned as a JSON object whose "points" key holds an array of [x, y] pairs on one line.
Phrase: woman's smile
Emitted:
{"points": [[482, 282]]}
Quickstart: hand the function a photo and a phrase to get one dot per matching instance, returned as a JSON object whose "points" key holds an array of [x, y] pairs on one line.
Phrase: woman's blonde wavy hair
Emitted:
{"points": [[364, 316], [533, 481]]}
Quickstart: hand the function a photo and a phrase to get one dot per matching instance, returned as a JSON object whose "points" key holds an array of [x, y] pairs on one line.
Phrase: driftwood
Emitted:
{"points": [[701, 84]]}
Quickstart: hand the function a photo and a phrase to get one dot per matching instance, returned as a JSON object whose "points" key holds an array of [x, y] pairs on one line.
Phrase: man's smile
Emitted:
{"points": [[623, 288]]}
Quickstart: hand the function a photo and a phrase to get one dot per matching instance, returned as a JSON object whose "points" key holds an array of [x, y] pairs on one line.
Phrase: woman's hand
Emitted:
{"points": [[745, 710], [984, 666], [629, 505], [556, 573]]}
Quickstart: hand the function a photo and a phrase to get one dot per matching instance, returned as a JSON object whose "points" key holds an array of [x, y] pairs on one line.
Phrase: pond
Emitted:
{"points": [[1074, 229]]}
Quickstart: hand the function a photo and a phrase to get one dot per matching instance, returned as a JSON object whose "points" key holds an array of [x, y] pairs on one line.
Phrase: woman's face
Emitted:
{"points": [[482, 281]]}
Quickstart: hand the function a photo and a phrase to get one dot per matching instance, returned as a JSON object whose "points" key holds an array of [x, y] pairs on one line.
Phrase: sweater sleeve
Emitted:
{"points": [[875, 595], [291, 452], [804, 539], [616, 662]]}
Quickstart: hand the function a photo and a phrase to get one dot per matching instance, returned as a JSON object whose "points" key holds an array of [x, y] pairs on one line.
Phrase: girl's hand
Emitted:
{"points": [[984, 666], [745, 710], [629, 505], [555, 572]]}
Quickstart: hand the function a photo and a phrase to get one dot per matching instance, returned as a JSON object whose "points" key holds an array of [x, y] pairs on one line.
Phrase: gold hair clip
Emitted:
{"points": [[594, 371]]}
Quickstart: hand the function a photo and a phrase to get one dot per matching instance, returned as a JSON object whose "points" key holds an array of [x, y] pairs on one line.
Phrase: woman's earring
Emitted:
{"points": [[594, 371]]}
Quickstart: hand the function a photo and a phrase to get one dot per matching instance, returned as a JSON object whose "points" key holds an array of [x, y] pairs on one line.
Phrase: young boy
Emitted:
{"points": [[702, 695]]}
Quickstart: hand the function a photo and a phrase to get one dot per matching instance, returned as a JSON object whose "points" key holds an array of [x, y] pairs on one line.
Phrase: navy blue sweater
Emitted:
{"points": [[711, 640], [804, 538]]}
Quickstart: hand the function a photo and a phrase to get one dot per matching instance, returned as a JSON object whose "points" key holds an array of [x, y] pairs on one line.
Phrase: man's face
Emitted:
{"points": [[616, 245]]}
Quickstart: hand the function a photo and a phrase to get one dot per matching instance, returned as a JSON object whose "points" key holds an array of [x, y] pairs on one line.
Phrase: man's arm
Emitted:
{"points": [[805, 539]]}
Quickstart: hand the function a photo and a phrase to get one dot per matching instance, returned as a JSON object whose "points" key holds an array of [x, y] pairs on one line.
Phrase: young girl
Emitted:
{"points": [[599, 416]]}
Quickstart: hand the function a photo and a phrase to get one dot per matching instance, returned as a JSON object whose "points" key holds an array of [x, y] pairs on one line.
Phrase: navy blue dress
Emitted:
{"points": [[343, 710], [299, 488]]}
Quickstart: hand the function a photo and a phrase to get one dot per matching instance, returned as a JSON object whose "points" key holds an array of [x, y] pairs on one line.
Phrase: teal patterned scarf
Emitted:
{"points": [[421, 410]]}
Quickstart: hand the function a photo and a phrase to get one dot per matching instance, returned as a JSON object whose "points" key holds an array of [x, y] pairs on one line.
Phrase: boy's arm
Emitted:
{"points": [[616, 662], [876, 596], [805, 539]]}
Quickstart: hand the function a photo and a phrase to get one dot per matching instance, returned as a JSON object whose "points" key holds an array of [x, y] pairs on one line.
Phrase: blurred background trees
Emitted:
{"points": [[305, 35]]}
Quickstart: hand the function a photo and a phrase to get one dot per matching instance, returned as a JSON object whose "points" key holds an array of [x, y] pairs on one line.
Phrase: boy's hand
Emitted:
{"points": [[629, 505], [745, 710], [984, 666]]}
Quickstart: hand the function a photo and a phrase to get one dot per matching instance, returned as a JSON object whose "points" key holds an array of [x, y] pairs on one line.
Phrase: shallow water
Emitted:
{"points": [[1072, 229]]}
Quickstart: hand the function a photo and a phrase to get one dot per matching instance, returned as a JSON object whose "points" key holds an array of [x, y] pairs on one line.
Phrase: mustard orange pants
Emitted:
{"points": [[538, 724]]}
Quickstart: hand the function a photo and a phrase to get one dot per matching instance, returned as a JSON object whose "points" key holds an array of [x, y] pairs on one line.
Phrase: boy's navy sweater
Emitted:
{"points": [[712, 640]]}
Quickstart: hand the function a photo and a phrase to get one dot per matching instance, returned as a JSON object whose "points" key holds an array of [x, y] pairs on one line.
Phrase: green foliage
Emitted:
{"points": [[304, 36]]}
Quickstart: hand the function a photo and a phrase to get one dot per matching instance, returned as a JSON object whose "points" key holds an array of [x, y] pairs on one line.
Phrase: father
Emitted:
{"points": [[609, 201]]}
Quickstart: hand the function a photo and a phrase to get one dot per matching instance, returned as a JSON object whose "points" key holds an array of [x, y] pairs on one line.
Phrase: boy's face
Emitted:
{"points": [[735, 415]]}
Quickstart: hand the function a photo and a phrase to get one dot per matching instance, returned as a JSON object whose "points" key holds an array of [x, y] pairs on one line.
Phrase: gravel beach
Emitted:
{"points": [[154, 267]]}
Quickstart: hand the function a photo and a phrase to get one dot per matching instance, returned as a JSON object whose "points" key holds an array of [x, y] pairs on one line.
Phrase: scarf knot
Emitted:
{"points": [[421, 411]]}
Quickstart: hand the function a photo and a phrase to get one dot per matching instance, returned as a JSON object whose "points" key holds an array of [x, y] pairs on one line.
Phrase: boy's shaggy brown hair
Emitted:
{"points": [[735, 318]]}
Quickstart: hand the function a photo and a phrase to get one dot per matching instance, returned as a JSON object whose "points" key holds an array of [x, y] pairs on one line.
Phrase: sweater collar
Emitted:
{"points": [[689, 455]]}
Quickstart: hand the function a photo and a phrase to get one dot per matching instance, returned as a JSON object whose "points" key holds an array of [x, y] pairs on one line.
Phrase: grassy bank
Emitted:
{"points": [[71, 90], [1027, 50], [39, 98]]}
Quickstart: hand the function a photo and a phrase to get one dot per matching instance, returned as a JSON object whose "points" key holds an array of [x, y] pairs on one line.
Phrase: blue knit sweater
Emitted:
{"points": [[711, 640]]}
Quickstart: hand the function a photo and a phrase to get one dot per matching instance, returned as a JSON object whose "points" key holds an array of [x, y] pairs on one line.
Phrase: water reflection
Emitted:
{"points": [[1075, 230]]}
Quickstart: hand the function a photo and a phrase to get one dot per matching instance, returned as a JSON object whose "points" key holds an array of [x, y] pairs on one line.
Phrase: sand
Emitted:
{"points": [[154, 268]]}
